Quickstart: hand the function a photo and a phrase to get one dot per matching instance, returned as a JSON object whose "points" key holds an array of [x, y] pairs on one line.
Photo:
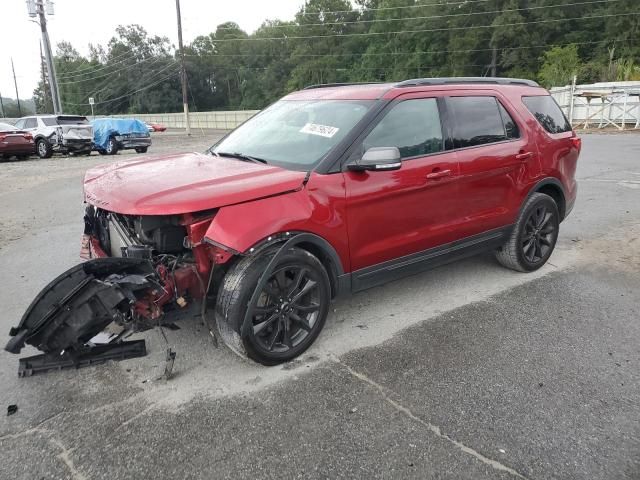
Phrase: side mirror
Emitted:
{"points": [[377, 159]]}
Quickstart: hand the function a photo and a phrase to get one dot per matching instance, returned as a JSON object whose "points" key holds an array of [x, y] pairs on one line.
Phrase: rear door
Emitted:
{"points": [[496, 156], [391, 214]]}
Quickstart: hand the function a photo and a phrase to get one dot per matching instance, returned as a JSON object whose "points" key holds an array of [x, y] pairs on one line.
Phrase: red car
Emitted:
{"points": [[156, 127], [333, 189], [14, 141]]}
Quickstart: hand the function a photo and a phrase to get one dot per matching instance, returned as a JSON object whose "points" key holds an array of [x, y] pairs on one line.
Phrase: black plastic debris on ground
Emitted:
{"points": [[94, 356], [11, 409]]}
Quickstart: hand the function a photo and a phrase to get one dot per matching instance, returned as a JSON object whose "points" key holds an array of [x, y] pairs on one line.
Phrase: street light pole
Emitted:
{"points": [[37, 8], [183, 76]]}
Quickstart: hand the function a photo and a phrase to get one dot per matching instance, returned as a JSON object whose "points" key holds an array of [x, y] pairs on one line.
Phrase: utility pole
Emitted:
{"points": [[15, 82], [46, 91], [1, 106], [183, 76], [36, 8]]}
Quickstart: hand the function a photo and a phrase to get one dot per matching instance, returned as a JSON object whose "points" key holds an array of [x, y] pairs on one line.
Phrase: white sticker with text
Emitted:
{"points": [[322, 130]]}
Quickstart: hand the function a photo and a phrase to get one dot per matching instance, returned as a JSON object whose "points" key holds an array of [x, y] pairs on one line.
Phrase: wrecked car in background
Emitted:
{"points": [[333, 189], [59, 134], [113, 134]]}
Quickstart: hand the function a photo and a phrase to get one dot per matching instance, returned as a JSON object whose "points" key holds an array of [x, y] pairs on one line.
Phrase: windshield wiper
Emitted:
{"points": [[240, 156]]}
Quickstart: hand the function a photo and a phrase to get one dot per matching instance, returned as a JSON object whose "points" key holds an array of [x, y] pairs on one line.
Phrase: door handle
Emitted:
{"points": [[438, 174], [524, 156]]}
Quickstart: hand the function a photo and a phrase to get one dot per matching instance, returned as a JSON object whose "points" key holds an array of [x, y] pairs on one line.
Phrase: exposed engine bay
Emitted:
{"points": [[141, 272]]}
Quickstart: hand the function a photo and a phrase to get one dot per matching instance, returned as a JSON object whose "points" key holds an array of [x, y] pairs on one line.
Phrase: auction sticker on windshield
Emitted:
{"points": [[322, 130]]}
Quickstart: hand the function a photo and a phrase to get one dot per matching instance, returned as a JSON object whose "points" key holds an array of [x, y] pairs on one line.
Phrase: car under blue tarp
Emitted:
{"points": [[104, 128]]}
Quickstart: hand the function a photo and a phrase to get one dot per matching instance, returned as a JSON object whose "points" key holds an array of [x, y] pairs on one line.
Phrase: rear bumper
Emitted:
{"points": [[134, 143], [571, 200], [17, 148], [75, 145]]}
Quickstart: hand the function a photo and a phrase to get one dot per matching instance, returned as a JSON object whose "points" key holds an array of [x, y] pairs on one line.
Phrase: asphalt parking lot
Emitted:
{"points": [[468, 371]]}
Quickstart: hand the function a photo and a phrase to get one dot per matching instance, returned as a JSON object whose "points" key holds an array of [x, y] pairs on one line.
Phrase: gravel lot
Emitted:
{"points": [[467, 371]]}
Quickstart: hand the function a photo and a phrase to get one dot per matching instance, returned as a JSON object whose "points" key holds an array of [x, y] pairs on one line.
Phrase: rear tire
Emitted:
{"points": [[44, 148], [141, 149], [534, 235], [289, 313]]}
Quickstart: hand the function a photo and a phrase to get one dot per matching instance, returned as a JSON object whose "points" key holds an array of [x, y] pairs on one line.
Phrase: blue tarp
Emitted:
{"points": [[103, 128]]}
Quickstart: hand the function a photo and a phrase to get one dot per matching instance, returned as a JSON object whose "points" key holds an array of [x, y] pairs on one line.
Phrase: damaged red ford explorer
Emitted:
{"points": [[333, 189]]}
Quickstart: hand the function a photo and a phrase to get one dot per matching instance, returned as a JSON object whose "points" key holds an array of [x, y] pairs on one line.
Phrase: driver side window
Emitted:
{"points": [[412, 125]]}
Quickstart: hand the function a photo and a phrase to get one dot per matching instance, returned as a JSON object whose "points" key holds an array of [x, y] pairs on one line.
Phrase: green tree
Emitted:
{"points": [[559, 65]]}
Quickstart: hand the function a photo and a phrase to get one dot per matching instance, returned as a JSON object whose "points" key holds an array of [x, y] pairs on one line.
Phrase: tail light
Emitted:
{"points": [[2, 137], [28, 137], [577, 142]]}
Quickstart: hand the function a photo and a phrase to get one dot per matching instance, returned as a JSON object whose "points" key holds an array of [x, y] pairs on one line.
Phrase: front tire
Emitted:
{"points": [[534, 235], [44, 148], [287, 316], [112, 147]]}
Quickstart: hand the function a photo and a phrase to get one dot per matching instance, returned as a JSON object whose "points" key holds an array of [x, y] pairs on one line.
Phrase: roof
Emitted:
{"points": [[373, 91]]}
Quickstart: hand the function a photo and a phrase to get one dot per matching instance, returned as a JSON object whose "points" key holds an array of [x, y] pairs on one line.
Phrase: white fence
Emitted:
{"points": [[218, 120], [599, 105]]}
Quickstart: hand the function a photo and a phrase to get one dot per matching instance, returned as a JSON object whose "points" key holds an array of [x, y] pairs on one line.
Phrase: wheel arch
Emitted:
{"points": [[552, 187], [314, 244]]}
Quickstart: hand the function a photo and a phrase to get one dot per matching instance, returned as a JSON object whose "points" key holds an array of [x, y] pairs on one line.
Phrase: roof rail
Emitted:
{"points": [[483, 80], [328, 85]]}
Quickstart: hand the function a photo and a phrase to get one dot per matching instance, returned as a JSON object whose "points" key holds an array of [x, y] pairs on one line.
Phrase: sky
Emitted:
{"points": [[93, 21]]}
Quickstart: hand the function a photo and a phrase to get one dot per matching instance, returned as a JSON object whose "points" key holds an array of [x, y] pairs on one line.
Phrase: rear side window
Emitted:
{"points": [[412, 125], [50, 122], [30, 123], [548, 113], [476, 121]]}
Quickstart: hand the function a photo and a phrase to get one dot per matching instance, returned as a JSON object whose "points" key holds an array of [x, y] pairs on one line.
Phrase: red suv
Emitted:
{"points": [[333, 189]]}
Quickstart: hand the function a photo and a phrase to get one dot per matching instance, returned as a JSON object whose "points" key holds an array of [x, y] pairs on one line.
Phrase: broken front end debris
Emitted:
{"points": [[141, 272]]}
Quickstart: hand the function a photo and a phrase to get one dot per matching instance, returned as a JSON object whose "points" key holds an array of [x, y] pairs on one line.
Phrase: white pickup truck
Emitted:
{"points": [[59, 133]]}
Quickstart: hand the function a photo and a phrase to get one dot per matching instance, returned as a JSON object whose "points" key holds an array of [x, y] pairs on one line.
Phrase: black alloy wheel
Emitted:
{"points": [[539, 234], [287, 309], [534, 235], [285, 317]]}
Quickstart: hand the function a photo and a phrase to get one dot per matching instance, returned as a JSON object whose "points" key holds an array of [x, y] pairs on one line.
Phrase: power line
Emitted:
{"points": [[423, 5], [130, 94], [126, 67], [399, 32], [428, 17], [375, 54], [109, 100], [78, 72]]}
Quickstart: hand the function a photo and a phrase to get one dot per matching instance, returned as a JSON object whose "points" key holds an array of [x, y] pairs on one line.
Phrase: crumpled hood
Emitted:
{"points": [[183, 183]]}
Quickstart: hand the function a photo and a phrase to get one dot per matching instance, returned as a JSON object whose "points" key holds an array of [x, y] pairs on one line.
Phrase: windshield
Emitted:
{"points": [[294, 134]]}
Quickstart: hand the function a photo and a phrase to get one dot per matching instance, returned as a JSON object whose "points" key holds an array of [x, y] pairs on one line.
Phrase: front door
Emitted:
{"points": [[392, 214]]}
